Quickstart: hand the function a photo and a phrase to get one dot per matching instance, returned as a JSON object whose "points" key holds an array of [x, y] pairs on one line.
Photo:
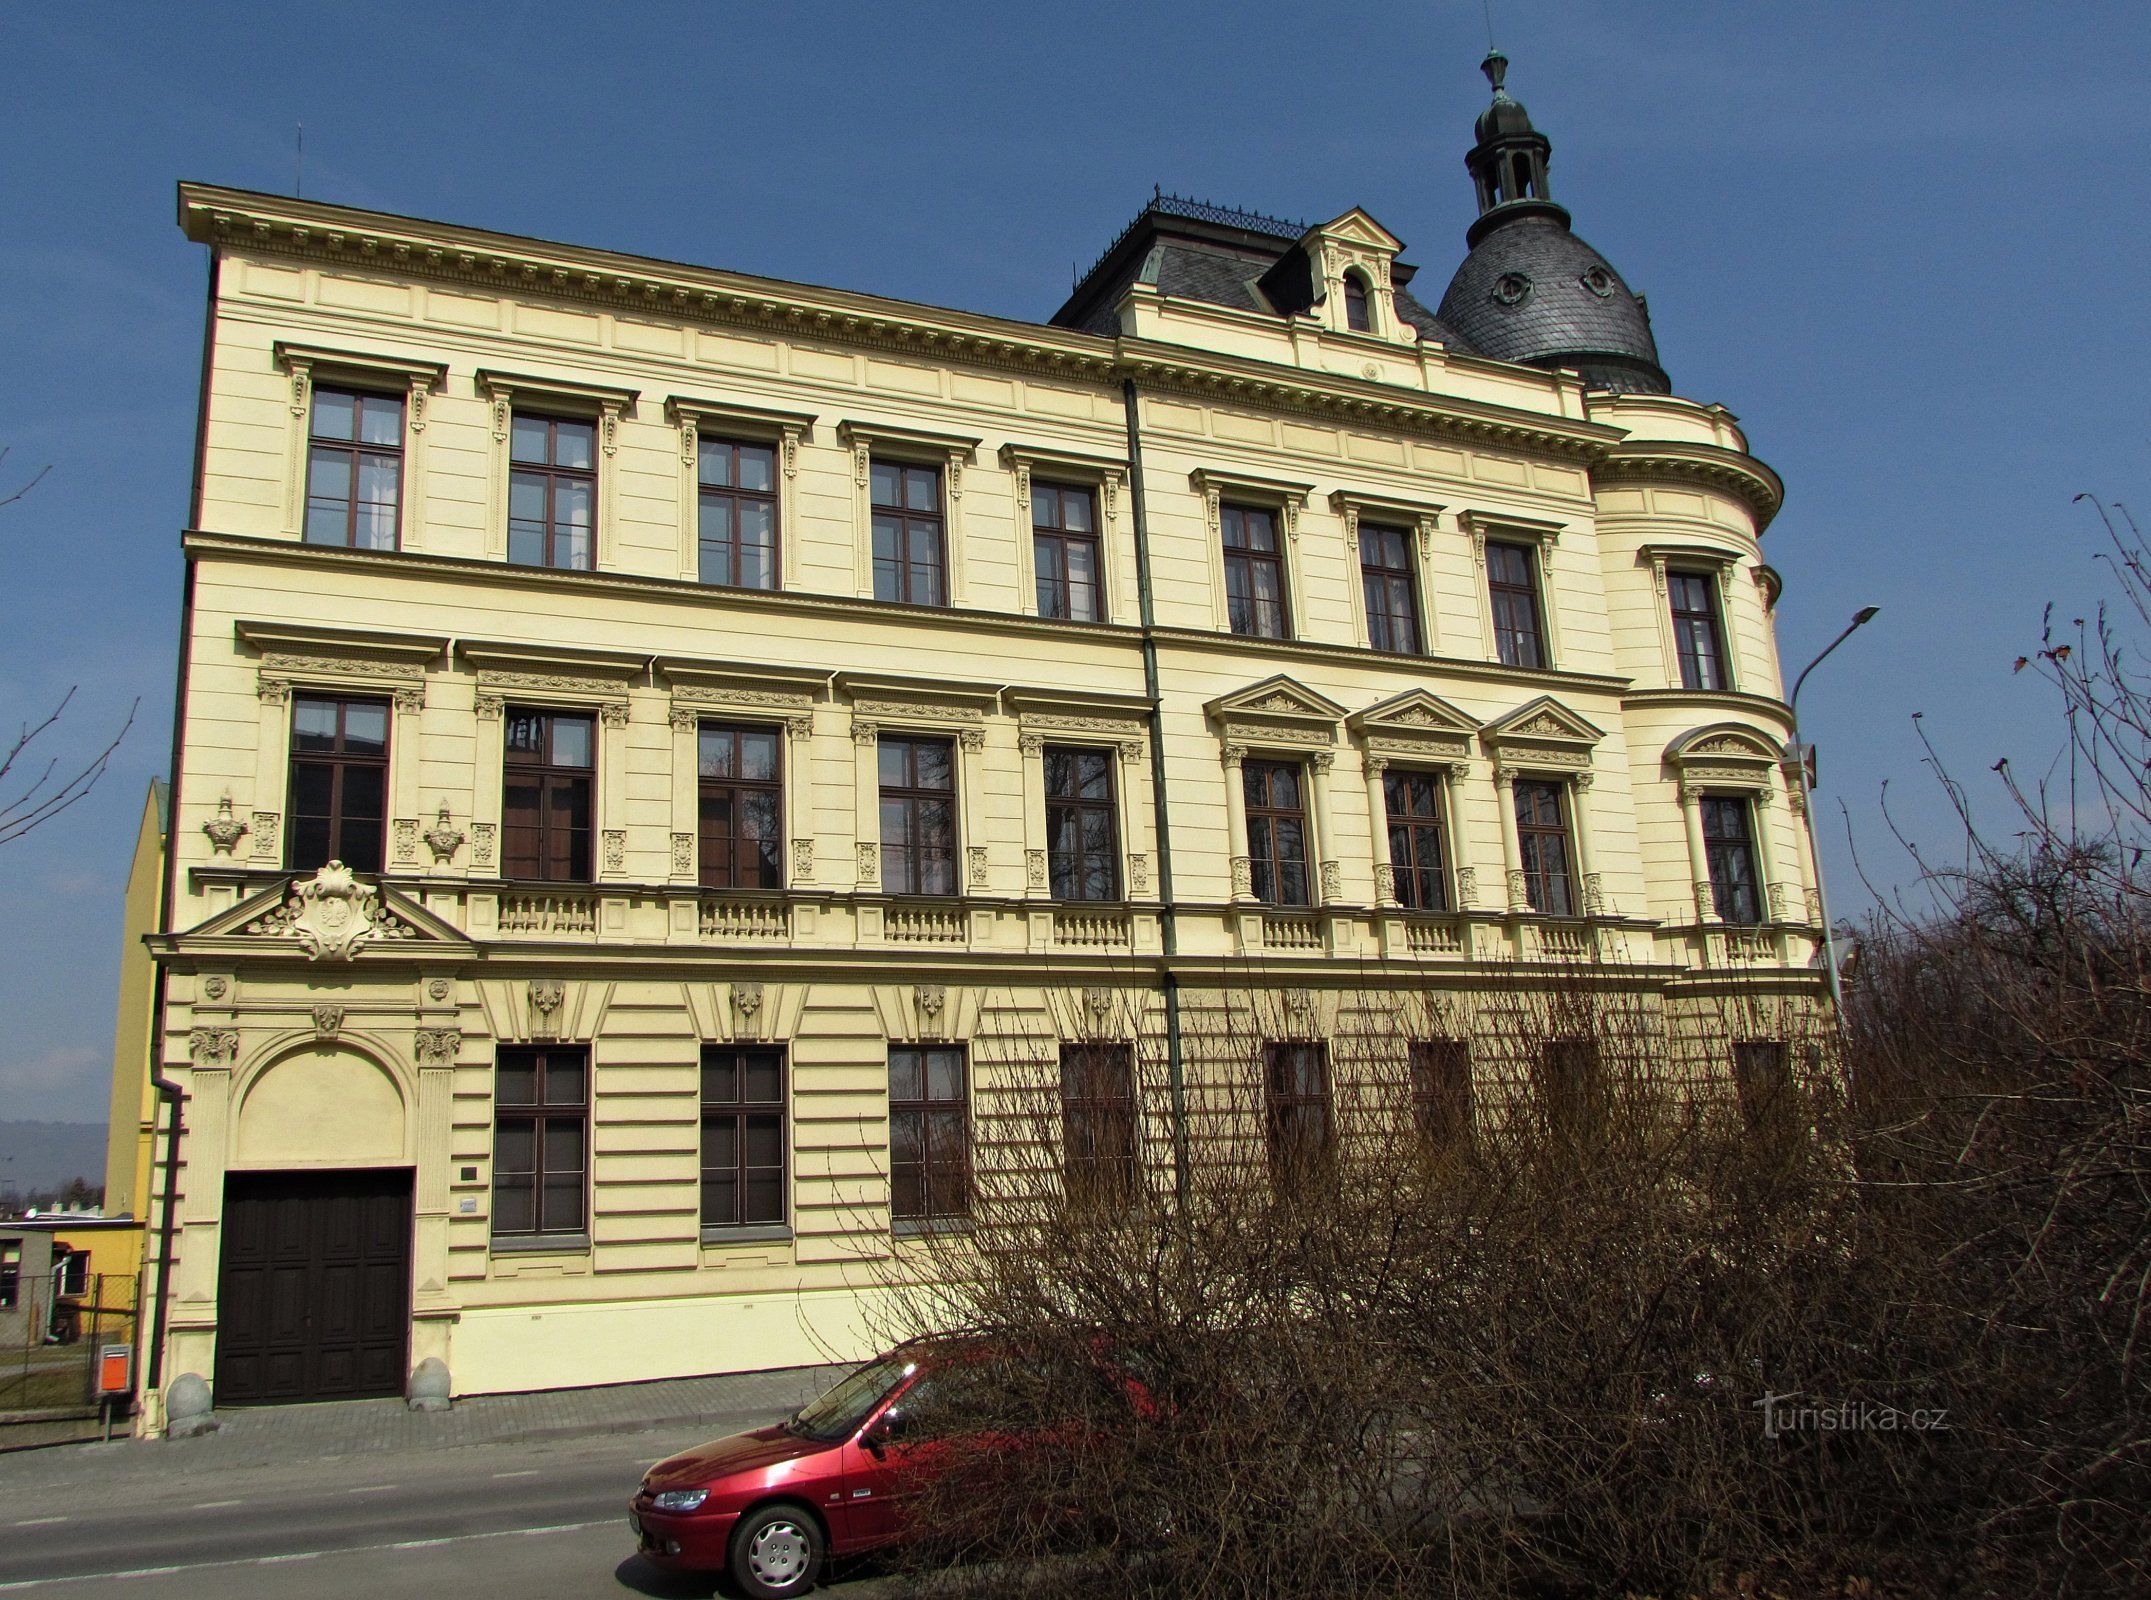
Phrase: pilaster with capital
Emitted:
{"points": [[1329, 872], [1691, 816], [686, 735], [1031, 748], [866, 779]]}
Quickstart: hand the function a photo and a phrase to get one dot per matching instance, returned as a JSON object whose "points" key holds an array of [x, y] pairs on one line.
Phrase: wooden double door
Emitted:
{"points": [[314, 1285]]}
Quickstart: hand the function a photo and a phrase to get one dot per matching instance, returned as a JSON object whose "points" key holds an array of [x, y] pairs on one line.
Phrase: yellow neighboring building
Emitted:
{"points": [[131, 1141], [657, 742]]}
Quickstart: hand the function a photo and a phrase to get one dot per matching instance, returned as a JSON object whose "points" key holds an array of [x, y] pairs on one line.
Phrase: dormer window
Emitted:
{"points": [[1357, 316]]}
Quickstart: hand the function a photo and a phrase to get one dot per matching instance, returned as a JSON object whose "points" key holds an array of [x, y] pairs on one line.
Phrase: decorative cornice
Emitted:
{"points": [[1731, 472], [374, 241]]}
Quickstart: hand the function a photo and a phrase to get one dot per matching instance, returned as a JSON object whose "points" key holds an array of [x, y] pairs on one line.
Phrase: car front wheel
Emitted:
{"points": [[776, 1553]]}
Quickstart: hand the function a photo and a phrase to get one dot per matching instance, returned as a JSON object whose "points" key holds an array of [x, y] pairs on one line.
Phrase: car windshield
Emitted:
{"points": [[836, 1414]]}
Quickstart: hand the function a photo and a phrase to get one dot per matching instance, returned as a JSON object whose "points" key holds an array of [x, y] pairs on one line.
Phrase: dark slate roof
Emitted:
{"points": [[1192, 250], [1524, 294]]}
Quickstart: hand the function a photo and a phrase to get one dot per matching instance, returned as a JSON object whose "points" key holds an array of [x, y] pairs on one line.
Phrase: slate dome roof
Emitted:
{"points": [[1531, 291]]}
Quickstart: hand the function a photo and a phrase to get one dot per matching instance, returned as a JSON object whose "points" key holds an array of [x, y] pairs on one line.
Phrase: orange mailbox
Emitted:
{"points": [[115, 1369]]}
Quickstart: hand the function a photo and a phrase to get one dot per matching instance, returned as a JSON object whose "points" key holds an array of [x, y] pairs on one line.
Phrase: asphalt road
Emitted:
{"points": [[537, 1520]]}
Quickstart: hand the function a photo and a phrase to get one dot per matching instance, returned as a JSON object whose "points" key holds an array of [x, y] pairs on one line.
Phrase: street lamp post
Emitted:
{"points": [[1798, 753]]}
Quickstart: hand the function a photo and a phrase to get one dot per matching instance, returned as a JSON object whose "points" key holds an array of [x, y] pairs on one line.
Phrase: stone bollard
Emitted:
{"points": [[428, 1388], [187, 1408]]}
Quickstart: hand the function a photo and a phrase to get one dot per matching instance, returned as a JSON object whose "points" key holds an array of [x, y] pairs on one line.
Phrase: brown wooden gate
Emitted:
{"points": [[313, 1292]]}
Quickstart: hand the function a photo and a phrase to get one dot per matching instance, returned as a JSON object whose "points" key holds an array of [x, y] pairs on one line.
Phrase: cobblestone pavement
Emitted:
{"points": [[275, 1435]]}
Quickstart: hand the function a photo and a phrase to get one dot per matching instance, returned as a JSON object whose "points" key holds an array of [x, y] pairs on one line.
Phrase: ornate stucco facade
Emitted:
{"points": [[337, 1020]]}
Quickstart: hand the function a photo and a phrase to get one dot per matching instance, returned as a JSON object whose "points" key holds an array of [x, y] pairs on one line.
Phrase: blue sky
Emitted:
{"points": [[1904, 243]]}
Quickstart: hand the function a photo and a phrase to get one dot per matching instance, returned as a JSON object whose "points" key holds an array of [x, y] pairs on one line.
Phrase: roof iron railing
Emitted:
{"points": [[1180, 205]]}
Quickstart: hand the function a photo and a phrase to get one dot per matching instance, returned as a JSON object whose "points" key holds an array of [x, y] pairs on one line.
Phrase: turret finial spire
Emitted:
{"points": [[1496, 68]]}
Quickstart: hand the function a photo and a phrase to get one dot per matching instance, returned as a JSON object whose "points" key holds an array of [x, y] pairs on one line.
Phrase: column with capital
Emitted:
{"points": [[686, 791], [1243, 874], [1588, 897], [866, 768], [1329, 872], [1691, 816], [1037, 884], [1512, 850], [1376, 768]]}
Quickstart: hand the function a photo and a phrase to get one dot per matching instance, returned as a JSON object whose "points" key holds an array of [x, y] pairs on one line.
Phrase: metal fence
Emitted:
{"points": [[64, 1351]]}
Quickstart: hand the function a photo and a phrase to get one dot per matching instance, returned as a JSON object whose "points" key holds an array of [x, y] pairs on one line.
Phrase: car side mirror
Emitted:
{"points": [[875, 1439]]}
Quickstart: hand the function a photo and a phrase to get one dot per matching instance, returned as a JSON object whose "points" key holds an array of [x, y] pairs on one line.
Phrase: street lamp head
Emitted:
{"points": [[1864, 615]]}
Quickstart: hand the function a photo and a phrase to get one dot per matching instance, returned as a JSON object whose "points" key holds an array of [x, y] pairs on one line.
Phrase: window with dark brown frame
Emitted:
{"points": [[740, 807], [354, 469], [918, 815], [1255, 600], [1697, 637], [1760, 1078], [1276, 797], [1066, 554], [1512, 586], [1441, 1089], [339, 783], [541, 1140], [736, 514], [1098, 1121], [552, 492], [1391, 589], [1357, 315], [1570, 1085], [929, 1134], [1082, 826], [1418, 858], [1729, 851], [1542, 839], [546, 795], [742, 1136], [10, 1273], [1296, 1103], [910, 534]]}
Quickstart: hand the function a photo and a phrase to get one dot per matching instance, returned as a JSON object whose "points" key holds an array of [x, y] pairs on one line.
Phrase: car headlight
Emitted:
{"points": [[679, 1500]]}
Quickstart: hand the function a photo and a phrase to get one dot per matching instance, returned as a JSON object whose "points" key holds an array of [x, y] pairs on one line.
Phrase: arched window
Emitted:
{"points": [[1356, 315]]}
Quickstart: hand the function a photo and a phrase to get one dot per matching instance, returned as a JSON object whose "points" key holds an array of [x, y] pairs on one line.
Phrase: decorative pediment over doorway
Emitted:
{"points": [[329, 915]]}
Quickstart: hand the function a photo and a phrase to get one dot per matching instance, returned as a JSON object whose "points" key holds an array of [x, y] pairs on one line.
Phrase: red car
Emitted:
{"points": [[772, 1505]]}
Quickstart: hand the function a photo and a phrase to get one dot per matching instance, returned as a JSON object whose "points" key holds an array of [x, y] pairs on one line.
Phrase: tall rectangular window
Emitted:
{"points": [[1570, 1086], [1389, 584], [1255, 603], [742, 1136], [929, 1134], [736, 514], [1296, 1103], [10, 1273], [552, 492], [541, 1137], [1098, 1121], [910, 555], [918, 816], [740, 798], [1729, 849], [1542, 839], [545, 811], [1441, 1089], [1082, 839], [1513, 589], [1064, 549], [1276, 831], [1417, 859], [339, 782], [1760, 1078], [1696, 636], [354, 470]]}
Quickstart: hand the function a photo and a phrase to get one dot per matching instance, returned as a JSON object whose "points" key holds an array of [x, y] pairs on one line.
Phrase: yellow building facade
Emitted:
{"points": [[656, 742]]}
